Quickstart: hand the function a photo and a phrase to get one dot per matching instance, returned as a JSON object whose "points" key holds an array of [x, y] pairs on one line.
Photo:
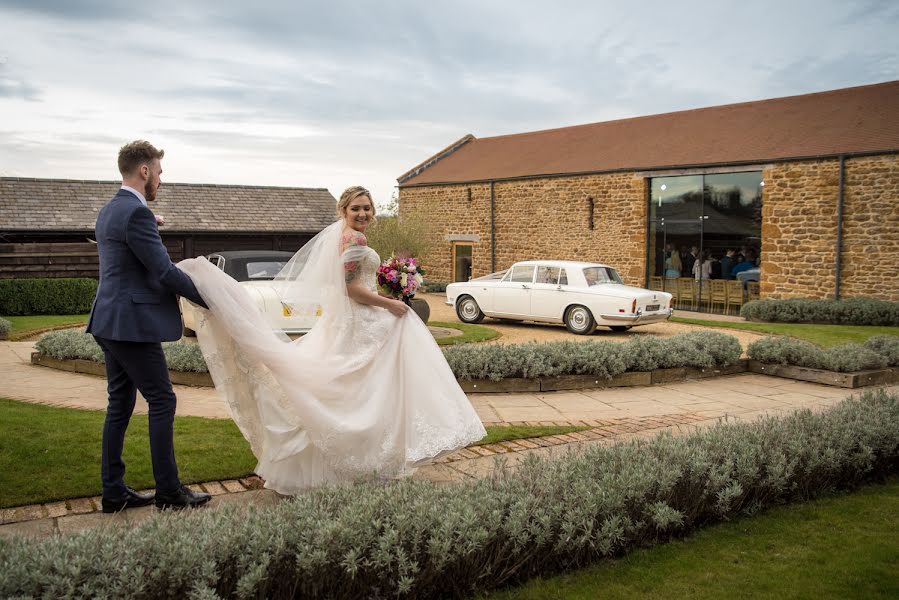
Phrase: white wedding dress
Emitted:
{"points": [[363, 393]]}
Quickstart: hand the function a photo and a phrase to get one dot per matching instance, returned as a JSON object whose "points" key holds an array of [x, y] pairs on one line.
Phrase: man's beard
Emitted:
{"points": [[150, 191]]}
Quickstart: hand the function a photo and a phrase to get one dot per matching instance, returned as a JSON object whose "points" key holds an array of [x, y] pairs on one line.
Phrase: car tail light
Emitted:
{"points": [[634, 306]]}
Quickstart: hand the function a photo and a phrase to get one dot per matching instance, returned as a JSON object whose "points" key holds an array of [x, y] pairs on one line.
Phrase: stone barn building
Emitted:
{"points": [[806, 187]]}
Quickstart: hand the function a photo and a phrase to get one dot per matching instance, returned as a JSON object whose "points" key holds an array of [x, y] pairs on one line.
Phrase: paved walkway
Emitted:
{"points": [[612, 414], [746, 395]]}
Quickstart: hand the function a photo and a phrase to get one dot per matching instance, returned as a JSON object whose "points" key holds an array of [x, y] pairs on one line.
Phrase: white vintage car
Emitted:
{"points": [[581, 295], [255, 270]]}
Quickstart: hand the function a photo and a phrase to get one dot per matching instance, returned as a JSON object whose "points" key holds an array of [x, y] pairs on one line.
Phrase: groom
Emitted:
{"points": [[136, 308]]}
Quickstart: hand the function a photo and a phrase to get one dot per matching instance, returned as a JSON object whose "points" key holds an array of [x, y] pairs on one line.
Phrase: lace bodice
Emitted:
{"points": [[368, 269]]}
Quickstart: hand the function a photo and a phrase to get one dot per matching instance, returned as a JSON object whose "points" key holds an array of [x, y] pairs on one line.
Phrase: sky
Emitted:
{"points": [[338, 93]]}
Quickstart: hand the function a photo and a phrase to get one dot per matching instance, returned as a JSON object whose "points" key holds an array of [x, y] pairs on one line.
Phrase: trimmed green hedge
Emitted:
{"points": [[853, 311], [434, 287], [23, 297], [76, 343], [702, 349], [877, 353], [416, 539]]}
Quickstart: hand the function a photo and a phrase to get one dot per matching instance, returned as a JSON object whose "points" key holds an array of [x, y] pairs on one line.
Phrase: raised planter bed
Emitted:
{"points": [[566, 382], [847, 380], [90, 367]]}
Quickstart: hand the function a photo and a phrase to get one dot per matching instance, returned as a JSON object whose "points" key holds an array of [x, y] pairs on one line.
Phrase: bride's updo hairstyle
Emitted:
{"points": [[350, 194]]}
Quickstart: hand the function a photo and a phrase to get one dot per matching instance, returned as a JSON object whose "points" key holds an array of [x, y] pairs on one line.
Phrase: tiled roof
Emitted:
{"points": [[847, 121], [68, 205]]}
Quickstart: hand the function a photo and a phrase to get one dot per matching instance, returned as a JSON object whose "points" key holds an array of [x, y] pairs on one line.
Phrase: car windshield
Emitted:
{"points": [[496, 276], [264, 269], [600, 275]]}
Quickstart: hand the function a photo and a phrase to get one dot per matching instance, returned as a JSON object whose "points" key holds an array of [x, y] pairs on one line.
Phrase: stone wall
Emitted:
{"points": [[799, 229], [549, 218], [871, 228], [546, 218]]}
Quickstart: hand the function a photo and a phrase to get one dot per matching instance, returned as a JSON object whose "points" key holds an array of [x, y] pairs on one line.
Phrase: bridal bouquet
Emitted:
{"points": [[399, 278]]}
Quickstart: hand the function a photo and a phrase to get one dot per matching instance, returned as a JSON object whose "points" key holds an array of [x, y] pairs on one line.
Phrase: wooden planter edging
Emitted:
{"points": [[583, 382], [78, 365], [564, 382], [847, 380]]}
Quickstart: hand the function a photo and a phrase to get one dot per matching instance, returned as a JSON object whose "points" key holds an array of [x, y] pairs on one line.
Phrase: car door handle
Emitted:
{"points": [[525, 286], [559, 289]]}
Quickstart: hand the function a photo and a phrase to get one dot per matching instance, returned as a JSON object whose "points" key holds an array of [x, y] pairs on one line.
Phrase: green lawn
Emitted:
{"points": [[49, 453], [26, 326], [823, 335], [470, 333], [844, 546], [505, 434]]}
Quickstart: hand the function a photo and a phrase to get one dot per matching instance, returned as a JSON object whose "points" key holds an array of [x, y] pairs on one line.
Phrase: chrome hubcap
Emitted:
{"points": [[578, 319], [469, 309]]}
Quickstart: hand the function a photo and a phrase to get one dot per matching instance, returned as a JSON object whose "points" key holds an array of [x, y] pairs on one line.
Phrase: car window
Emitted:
{"points": [[601, 275], [523, 274], [217, 260], [563, 279], [264, 269], [548, 275]]}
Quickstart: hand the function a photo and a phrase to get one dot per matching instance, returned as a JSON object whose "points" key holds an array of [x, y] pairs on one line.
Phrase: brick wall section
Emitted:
{"points": [[548, 218], [871, 228], [545, 218]]}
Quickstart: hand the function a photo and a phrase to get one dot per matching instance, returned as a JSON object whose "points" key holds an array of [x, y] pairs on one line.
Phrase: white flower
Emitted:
{"points": [[403, 279]]}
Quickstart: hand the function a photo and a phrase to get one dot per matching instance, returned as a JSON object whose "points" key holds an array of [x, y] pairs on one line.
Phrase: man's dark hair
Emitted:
{"points": [[135, 154]]}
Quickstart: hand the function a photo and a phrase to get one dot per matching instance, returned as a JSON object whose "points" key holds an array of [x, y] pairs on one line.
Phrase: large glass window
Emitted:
{"points": [[705, 227]]}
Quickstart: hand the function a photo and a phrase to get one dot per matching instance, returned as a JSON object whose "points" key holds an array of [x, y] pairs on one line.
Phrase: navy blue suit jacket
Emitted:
{"points": [[137, 300]]}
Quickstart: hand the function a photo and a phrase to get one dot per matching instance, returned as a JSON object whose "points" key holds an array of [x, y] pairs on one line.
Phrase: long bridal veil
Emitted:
{"points": [[363, 391]]}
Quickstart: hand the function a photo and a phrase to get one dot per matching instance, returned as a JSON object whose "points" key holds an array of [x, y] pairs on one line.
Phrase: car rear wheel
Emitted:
{"points": [[619, 328], [579, 320], [468, 311]]}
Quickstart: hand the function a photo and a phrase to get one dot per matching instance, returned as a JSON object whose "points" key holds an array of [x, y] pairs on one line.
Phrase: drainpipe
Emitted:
{"points": [[839, 253], [492, 229]]}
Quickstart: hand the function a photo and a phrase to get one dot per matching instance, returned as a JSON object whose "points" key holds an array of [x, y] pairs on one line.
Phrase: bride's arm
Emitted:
{"points": [[363, 295], [358, 292]]}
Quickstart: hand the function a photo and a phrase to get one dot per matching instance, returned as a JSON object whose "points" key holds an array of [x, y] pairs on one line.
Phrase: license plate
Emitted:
{"points": [[652, 307]]}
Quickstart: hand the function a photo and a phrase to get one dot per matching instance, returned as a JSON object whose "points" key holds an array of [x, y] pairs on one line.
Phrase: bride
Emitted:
{"points": [[366, 391]]}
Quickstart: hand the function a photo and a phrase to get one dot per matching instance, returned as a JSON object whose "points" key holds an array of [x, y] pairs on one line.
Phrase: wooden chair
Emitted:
{"points": [[701, 291], [670, 285], [717, 294], [655, 283], [734, 289], [686, 292], [752, 290]]}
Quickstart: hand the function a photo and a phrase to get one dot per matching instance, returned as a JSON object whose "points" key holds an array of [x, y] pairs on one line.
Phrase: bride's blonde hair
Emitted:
{"points": [[350, 194]]}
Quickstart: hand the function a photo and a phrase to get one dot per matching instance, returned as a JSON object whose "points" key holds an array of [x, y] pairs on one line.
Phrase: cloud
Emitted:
{"points": [[345, 92]]}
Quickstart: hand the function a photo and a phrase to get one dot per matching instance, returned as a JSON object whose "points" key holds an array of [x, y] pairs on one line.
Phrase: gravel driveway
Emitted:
{"points": [[519, 333]]}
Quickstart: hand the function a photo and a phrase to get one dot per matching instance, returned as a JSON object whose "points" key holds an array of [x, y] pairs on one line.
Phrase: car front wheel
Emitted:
{"points": [[468, 311], [579, 320]]}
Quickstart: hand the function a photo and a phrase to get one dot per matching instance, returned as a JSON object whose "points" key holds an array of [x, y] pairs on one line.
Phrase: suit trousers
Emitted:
{"points": [[132, 366]]}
